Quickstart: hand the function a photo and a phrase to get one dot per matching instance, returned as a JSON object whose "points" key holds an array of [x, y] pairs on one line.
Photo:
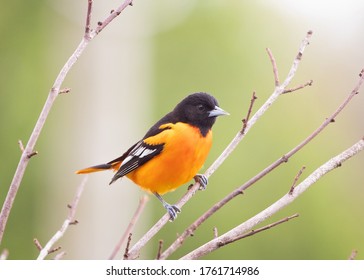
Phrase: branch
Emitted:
{"points": [[131, 225], [246, 119], [134, 251], [296, 179], [275, 68], [110, 18], [127, 246], [179, 241], [309, 83], [279, 204], [255, 231], [88, 19], [28, 151], [160, 246], [70, 220]]}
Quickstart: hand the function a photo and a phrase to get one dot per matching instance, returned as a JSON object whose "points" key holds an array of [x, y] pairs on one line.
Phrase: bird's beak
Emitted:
{"points": [[217, 111]]}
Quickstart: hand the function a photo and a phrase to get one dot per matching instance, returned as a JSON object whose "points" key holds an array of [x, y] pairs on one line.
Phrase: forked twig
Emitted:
{"points": [[69, 221], [255, 231], [28, 150], [279, 204], [179, 241], [134, 251], [309, 83]]}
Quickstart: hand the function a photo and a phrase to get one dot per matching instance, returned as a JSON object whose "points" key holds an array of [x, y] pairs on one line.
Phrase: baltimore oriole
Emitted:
{"points": [[173, 150]]}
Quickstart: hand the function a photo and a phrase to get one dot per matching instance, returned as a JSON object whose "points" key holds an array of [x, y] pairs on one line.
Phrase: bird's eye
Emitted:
{"points": [[201, 108]]}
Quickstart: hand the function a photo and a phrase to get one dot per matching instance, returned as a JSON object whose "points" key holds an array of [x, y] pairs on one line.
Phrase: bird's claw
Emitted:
{"points": [[172, 210], [202, 179]]}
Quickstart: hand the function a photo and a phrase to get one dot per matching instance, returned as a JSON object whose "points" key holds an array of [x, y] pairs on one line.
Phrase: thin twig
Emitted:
{"points": [[134, 251], [32, 154], [142, 202], [37, 244], [127, 246], [88, 19], [64, 90], [255, 231], [179, 241], [55, 249], [246, 119], [216, 233], [296, 179], [21, 146], [279, 204], [309, 83], [160, 247], [275, 68], [28, 151], [69, 221], [110, 18]]}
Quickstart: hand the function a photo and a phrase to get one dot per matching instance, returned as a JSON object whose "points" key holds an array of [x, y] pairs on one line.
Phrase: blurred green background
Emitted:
{"points": [[147, 60]]}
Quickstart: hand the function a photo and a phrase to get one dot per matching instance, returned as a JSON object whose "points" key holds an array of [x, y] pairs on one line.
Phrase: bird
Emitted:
{"points": [[172, 151]]}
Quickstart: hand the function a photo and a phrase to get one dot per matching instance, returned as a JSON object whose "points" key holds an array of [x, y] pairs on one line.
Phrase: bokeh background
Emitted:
{"points": [[147, 60]]}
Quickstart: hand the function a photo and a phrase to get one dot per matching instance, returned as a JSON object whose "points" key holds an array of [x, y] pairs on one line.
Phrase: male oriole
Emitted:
{"points": [[172, 151]]}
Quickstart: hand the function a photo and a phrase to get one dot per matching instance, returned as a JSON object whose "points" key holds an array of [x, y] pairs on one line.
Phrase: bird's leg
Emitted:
{"points": [[202, 179], [171, 209]]}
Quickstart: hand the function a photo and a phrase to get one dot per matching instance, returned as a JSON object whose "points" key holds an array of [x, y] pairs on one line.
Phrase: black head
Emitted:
{"points": [[198, 109]]}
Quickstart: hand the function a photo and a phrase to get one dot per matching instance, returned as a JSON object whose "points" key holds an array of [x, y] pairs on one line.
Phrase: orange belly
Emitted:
{"points": [[179, 161]]}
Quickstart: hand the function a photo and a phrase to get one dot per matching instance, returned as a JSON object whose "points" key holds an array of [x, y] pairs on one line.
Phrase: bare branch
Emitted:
{"points": [[88, 19], [309, 83], [246, 119], [127, 246], [279, 204], [216, 233], [142, 202], [159, 249], [255, 231], [277, 92], [64, 90], [55, 249], [28, 151], [296, 179], [134, 251], [110, 18], [32, 154], [21, 146], [275, 68], [179, 241], [37, 244], [69, 221]]}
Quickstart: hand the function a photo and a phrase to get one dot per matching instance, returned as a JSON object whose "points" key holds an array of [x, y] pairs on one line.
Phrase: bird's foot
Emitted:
{"points": [[202, 179], [172, 210]]}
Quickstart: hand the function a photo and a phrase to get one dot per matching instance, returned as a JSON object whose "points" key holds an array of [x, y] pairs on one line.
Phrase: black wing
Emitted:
{"points": [[139, 154], [142, 152]]}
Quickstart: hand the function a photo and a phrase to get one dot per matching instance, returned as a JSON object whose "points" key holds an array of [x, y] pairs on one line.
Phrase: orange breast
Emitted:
{"points": [[184, 153]]}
